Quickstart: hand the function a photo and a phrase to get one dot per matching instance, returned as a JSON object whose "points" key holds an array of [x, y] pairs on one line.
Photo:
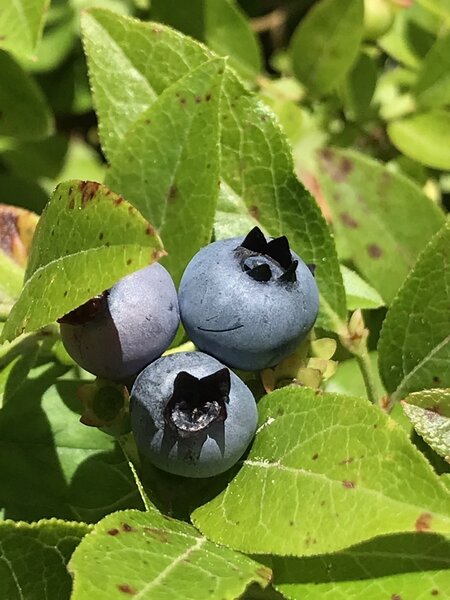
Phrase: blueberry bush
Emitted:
{"points": [[137, 139]]}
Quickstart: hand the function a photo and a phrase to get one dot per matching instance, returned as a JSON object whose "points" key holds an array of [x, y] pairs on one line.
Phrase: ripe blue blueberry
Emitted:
{"points": [[192, 416], [116, 334], [248, 302]]}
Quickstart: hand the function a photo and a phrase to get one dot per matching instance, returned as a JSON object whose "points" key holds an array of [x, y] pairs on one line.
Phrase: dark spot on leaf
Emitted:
{"points": [[173, 193], [265, 573], [423, 522], [374, 251], [148, 121], [113, 531], [88, 190], [126, 589], [375, 425], [254, 212], [107, 244], [434, 592], [338, 167], [71, 203], [158, 534], [183, 101], [396, 597], [347, 461], [291, 523], [208, 97], [127, 528], [131, 209], [129, 261], [100, 235], [65, 293], [348, 220], [349, 485], [436, 379], [280, 412], [118, 201], [322, 503], [315, 456], [157, 254], [150, 230], [198, 99]]}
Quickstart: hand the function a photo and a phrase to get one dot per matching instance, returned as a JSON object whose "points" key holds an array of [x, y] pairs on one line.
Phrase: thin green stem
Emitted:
{"points": [[365, 367]]}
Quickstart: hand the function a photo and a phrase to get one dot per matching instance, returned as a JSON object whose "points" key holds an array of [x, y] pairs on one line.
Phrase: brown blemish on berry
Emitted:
{"points": [[265, 573], [173, 193], [88, 191], [348, 220], [349, 485], [127, 527], [127, 589], [374, 251], [158, 534], [114, 531], [423, 522]]}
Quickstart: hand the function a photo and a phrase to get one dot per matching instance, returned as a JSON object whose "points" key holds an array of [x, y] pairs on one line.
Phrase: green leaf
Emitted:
{"points": [[11, 279], [326, 43], [83, 228], [14, 374], [152, 556], [348, 379], [346, 473], [21, 23], [370, 206], [169, 164], [33, 558], [424, 137], [400, 566], [441, 8], [256, 161], [414, 347], [433, 85], [228, 33], [24, 111], [232, 218], [50, 464], [429, 412], [358, 292], [358, 87]]}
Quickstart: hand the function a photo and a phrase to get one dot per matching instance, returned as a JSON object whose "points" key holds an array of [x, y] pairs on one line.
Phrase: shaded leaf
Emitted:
{"points": [[348, 378], [414, 347], [424, 137], [33, 558], [83, 227], [21, 23], [370, 206], [358, 292], [433, 85], [394, 567], [326, 43], [174, 561], [441, 8], [347, 473], [169, 164], [429, 412], [23, 108], [358, 87], [50, 464]]}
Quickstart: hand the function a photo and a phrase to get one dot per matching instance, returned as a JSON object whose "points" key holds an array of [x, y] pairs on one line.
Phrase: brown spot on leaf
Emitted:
{"points": [[423, 522], [338, 167], [150, 230], [348, 220], [173, 193], [100, 235], [129, 261], [88, 190], [374, 251], [114, 531], [315, 456], [127, 527], [158, 534], [71, 203], [347, 461], [396, 597], [265, 573], [198, 99], [254, 212], [157, 254], [127, 589], [118, 201], [349, 485], [434, 592], [436, 379], [208, 97], [183, 101]]}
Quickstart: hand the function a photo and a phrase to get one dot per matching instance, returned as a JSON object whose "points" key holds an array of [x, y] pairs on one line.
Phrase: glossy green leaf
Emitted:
{"points": [[169, 164], [395, 567], [429, 412], [21, 23], [228, 33], [50, 464], [433, 85], [370, 206], [414, 347], [358, 86], [256, 161], [33, 558], [326, 43], [148, 555], [83, 227], [232, 218], [346, 471], [424, 137], [23, 108], [358, 292]]}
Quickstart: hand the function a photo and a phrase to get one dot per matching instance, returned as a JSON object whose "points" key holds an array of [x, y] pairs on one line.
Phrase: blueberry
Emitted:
{"points": [[248, 302], [118, 333], [191, 415]]}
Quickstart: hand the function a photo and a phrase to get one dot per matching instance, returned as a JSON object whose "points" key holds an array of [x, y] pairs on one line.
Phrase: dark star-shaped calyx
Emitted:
{"points": [[197, 403]]}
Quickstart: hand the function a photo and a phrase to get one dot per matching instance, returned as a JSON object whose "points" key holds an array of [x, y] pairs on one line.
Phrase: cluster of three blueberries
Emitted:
{"points": [[244, 302]]}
